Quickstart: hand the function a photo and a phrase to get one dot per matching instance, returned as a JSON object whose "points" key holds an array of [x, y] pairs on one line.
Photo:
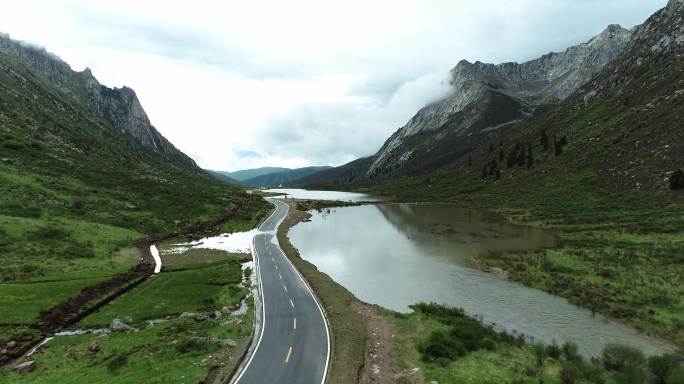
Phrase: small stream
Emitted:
{"points": [[395, 255]]}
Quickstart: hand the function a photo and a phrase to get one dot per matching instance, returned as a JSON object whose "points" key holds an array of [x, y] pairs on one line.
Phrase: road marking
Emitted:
{"points": [[291, 303], [289, 352], [294, 324], [272, 259], [276, 265], [285, 286], [281, 276]]}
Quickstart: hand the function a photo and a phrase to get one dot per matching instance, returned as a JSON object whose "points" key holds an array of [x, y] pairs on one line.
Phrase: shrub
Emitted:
{"points": [[593, 373], [569, 374], [553, 351], [78, 203], [677, 180], [13, 144], [570, 352], [539, 353], [442, 346], [49, 232], [661, 366], [633, 375], [618, 357], [676, 376], [117, 362], [191, 345]]}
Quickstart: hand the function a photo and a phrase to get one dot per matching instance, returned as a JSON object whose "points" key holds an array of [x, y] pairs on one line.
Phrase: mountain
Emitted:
{"points": [[347, 173], [282, 177], [71, 146], [221, 176], [486, 100], [245, 174], [119, 107]]}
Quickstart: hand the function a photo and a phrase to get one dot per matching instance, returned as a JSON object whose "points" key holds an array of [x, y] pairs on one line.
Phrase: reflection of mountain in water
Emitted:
{"points": [[429, 224]]}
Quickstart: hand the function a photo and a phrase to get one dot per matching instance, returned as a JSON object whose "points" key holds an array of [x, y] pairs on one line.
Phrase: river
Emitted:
{"points": [[395, 255]]}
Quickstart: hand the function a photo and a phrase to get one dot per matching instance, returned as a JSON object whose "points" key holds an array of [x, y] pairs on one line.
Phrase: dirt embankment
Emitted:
{"points": [[361, 338], [92, 298]]}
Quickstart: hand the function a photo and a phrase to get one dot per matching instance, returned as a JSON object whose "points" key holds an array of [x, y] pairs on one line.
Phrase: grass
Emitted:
{"points": [[347, 326], [205, 287], [165, 353], [174, 351], [504, 359], [26, 300], [37, 249], [196, 257]]}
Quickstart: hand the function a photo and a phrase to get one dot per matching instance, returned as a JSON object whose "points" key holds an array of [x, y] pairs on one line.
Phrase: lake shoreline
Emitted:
{"points": [[375, 344]]}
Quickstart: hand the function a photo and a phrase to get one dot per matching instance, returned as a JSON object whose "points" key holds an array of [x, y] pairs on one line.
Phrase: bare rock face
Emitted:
{"points": [[119, 107], [488, 97]]}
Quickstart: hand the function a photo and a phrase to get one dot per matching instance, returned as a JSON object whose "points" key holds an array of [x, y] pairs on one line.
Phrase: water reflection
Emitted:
{"points": [[323, 195], [395, 255]]}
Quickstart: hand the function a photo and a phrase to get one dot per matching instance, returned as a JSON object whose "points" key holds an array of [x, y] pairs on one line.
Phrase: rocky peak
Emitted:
{"points": [[487, 97], [673, 6], [119, 107]]}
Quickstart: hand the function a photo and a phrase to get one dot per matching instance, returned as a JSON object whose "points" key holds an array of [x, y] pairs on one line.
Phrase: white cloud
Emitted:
{"points": [[295, 82]]}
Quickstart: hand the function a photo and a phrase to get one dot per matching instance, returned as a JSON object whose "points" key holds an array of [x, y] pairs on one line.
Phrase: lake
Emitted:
{"points": [[395, 255], [323, 195]]}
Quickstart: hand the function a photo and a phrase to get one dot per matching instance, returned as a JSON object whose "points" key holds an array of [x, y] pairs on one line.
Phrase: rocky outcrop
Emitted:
{"points": [[118, 107], [486, 98]]}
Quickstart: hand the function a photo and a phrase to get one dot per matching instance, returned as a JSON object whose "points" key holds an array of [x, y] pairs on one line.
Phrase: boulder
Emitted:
{"points": [[25, 367], [118, 325]]}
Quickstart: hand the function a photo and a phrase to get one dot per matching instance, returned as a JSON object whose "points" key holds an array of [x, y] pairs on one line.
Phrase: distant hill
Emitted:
{"points": [[283, 177], [245, 174], [222, 176]]}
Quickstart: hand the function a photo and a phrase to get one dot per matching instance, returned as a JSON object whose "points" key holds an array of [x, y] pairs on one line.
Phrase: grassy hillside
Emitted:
{"points": [[76, 194]]}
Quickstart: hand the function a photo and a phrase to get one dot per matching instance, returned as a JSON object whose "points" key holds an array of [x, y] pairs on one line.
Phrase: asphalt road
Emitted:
{"points": [[293, 343]]}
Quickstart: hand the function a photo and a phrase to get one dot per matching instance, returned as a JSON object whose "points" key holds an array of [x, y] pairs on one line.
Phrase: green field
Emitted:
{"points": [[205, 287], [173, 351]]}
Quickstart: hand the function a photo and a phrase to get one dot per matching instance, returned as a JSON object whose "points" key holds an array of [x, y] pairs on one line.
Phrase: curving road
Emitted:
{"points": [[293, 343]]}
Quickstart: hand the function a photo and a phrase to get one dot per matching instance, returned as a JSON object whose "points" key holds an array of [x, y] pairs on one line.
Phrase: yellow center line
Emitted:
{"points": [[294, 325], [289, 352]]}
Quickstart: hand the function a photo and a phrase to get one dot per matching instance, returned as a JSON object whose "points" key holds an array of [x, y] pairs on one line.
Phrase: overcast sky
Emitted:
{"points": [[241, 84]]}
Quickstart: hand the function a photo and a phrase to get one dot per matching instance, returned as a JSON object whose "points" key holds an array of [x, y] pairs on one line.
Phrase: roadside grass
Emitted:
{"points": [[170, 352], [348, 328], [205, 287]]}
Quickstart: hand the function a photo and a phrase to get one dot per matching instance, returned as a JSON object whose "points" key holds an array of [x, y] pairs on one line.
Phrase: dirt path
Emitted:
{"points": [[377, 367]]}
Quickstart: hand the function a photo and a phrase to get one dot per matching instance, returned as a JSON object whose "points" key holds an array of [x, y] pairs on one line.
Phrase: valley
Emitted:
{"points": [[524, 225]]}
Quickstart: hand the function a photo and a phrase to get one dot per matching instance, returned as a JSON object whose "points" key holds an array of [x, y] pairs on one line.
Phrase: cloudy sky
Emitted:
{"points": [[241, 84]]}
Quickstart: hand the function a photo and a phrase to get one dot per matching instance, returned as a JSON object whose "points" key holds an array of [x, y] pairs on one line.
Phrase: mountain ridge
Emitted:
{"points": [[488, 97], [118, 106]]}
